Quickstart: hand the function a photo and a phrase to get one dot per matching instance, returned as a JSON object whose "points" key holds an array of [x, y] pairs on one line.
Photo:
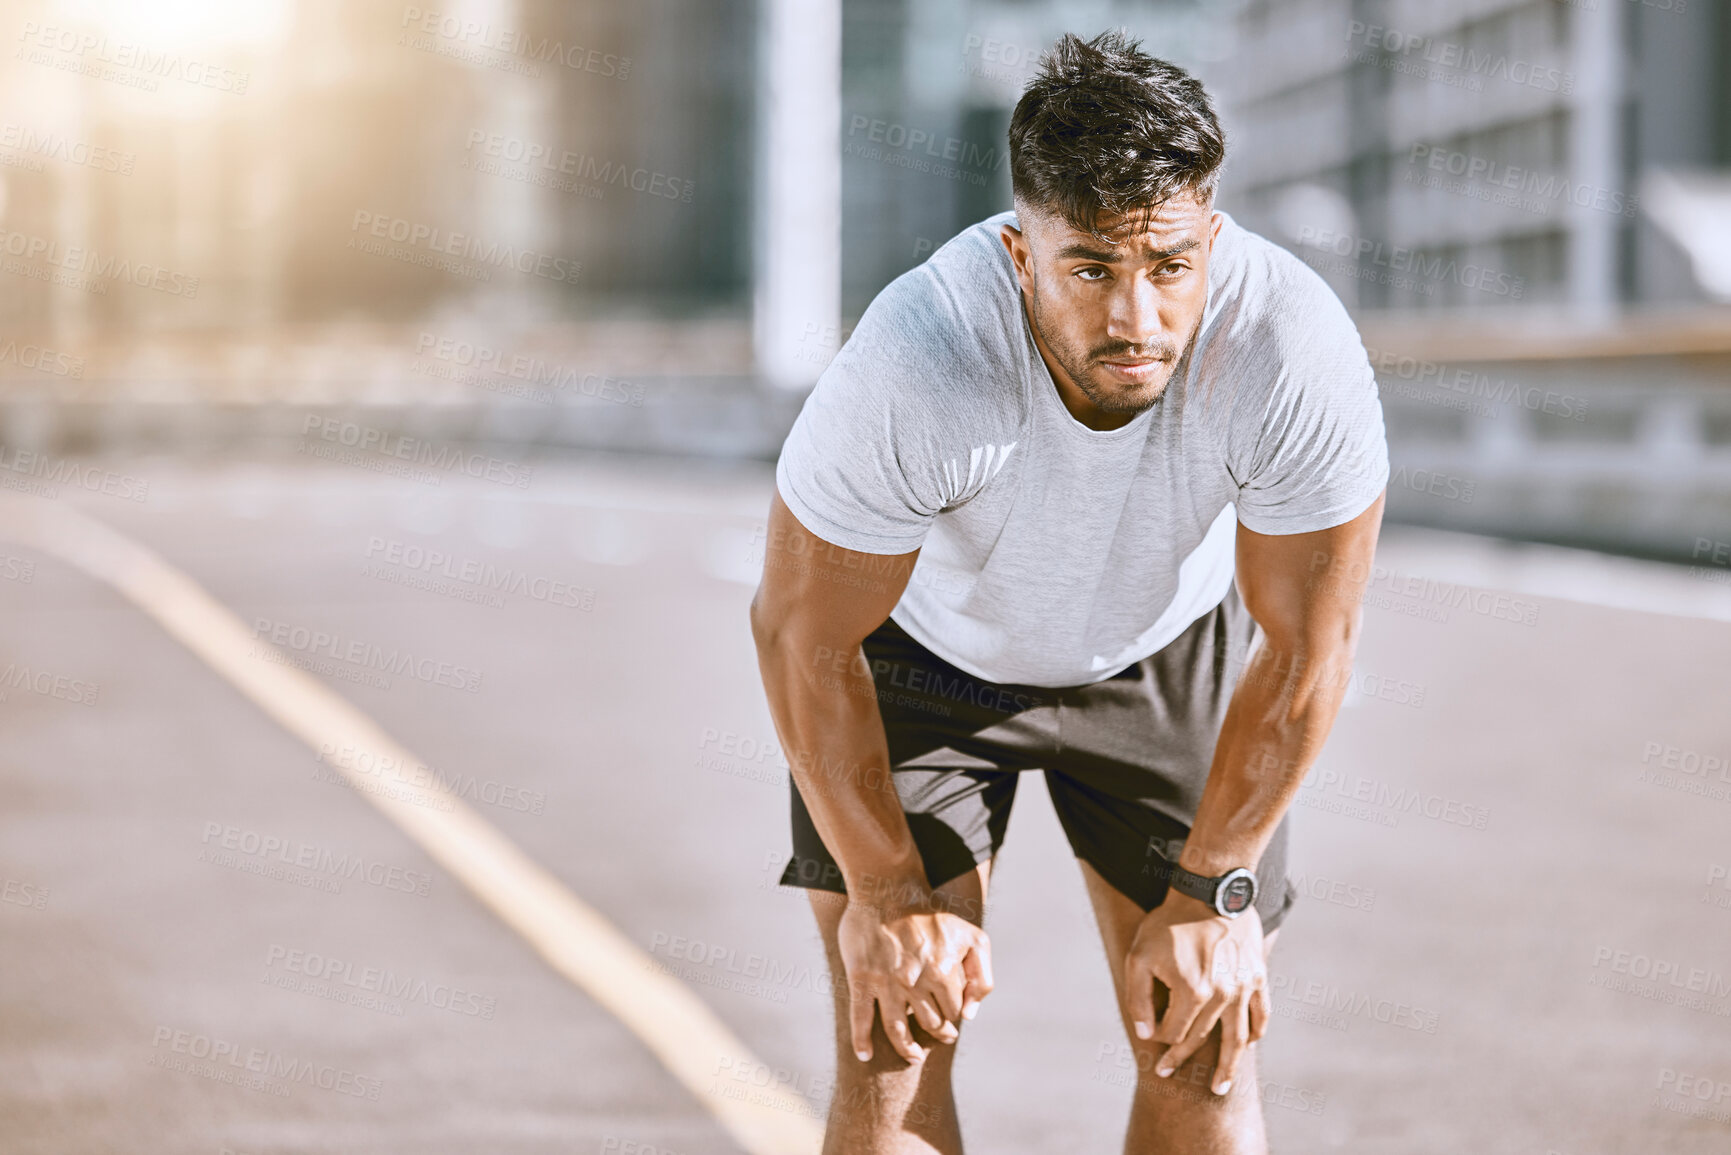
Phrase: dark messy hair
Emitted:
{"points": [[1106, 128]]}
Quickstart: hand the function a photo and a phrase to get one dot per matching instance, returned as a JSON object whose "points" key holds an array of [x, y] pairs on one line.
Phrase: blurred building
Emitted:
{"points": [[240, 152], [544, 221], [1425, 155], [928, 89], [1517, 198]]}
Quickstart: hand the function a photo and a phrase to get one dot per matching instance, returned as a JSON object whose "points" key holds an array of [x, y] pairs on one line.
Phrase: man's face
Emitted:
{"points": [[1116, 318]]}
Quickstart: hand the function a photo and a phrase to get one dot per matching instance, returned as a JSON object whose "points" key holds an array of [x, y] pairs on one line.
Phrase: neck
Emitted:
{"points": [[1077, 402]]}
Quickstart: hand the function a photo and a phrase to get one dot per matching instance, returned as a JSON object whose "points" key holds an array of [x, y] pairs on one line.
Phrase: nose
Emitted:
{"points": [[1134, 315]]}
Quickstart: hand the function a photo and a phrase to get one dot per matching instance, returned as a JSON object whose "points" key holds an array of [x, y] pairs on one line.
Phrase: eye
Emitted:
{"points": [[1086, 269], [1174, 270]]}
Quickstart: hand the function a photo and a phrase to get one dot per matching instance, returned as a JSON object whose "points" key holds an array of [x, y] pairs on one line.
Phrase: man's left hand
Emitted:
{"points": [[1216, 973]]}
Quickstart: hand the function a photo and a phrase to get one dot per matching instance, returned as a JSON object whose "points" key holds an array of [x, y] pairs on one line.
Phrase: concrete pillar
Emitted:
{"points": [[796, 315], [1595, 152]]}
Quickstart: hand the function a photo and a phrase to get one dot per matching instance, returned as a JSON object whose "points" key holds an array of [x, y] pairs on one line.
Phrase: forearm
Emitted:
{"points": [[1280, 715], [830, 726]]}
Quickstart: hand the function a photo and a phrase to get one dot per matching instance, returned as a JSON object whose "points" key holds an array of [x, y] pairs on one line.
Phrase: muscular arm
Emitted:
{"points": [[815, 606], [1304, 590]]}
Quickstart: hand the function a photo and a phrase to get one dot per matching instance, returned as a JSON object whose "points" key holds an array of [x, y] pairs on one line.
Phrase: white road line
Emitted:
{"points": [[575, 939]]}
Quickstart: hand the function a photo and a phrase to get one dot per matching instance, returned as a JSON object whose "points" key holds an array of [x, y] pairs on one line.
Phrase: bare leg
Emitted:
{"points": [[1178, 1113], [886, 1106]]}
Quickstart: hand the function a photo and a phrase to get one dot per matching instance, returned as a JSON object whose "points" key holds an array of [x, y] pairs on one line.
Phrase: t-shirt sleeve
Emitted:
{"points": [[857, 467], [1316, 455]]}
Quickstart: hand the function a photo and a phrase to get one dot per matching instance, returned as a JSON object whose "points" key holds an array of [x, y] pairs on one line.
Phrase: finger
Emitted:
{"points": [[1185, 1002], [1260, 1012], [945, 993], [896, 1027], [1234, 1037], [1139, 997], [926, 1013], [861, 1006], [1192, 1040], [945, 981], [977, 965]]}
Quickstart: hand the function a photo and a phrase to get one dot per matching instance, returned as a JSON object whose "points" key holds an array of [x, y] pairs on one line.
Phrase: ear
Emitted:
{"points": [[1021, 255]]}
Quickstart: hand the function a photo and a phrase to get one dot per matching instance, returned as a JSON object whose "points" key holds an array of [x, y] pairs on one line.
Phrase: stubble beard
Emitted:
{"points": [[1078, 365]]}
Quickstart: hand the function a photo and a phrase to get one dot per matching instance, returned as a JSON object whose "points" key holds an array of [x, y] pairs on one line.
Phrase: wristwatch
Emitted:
{"points": [[1230, 894]]}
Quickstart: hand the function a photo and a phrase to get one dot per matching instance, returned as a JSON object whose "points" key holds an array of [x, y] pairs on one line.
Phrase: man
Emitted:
{"points": [[1006, 533]]}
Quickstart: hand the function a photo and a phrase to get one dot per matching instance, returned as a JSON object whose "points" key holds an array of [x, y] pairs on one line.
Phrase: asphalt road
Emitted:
{"points": [[1515, 936]]}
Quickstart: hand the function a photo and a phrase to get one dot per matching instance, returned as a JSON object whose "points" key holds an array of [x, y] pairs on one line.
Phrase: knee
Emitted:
{"points": [[871, 1106], [1191, 1085], [886, 1067]]}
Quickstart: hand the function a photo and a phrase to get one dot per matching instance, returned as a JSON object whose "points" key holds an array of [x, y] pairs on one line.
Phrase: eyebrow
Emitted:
{"points": [[1082, 251]]}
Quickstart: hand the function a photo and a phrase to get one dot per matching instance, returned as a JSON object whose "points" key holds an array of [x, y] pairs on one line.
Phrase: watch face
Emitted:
{"points": [[1237, 893]]}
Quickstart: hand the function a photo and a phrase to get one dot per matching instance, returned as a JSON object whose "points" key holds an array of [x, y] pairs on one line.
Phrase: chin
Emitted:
{"points": [[1114, 398]]}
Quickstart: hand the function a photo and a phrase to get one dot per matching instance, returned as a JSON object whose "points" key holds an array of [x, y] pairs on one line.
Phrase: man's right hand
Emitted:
{"points": [[915, 960]]}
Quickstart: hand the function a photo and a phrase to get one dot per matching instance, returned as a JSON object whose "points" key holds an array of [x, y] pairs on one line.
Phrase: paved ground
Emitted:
{"points": [[1501, 848]]}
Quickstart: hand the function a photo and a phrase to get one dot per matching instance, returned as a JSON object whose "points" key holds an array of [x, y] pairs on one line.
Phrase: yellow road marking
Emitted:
{"points": [[576, 940]]}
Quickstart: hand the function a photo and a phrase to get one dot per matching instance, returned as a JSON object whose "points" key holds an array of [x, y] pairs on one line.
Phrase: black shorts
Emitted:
{"points": [[1125, 760]]}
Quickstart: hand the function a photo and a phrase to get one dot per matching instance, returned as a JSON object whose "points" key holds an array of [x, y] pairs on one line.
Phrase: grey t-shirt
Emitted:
{"points": [[1052, 554]]}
